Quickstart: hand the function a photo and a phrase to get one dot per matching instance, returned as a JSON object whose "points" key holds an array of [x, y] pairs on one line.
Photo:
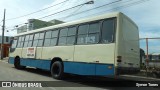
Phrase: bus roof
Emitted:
{"points": [[108, 15]]}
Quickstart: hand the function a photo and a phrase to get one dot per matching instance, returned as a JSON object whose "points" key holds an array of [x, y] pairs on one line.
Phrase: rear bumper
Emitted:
{"points": [[127, 70]]}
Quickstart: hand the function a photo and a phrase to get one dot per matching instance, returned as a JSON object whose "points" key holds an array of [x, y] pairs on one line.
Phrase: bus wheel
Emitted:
{"points": [[57, 70], [17, 64]]}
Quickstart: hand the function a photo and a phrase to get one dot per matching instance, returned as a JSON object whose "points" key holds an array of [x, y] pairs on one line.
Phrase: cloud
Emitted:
{"points": [[149, 34], [146, 14]]}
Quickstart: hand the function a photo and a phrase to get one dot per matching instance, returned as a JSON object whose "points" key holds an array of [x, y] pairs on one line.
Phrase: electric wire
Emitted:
{"points": [[120, 7], [37, 11]]}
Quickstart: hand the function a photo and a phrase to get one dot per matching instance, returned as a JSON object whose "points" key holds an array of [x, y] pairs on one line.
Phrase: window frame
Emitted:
{"points": [[88, 33], [67, 35], [38, 39], [59, 37], [20, 41], [45, 38], [75, 35], [15, 44], [41, 39], [81, 34], [114, 28]]}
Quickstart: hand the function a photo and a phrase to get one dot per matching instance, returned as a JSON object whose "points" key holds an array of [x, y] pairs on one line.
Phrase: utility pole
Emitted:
{"points": [[147, 57], [2, 40]]}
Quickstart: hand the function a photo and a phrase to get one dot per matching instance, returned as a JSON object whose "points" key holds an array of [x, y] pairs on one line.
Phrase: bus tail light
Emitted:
{"points": [[119, 58], [110, 67]]}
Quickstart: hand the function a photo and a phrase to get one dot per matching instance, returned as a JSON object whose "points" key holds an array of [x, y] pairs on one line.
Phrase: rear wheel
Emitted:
{"points": [[57, 70], [17, 63]]}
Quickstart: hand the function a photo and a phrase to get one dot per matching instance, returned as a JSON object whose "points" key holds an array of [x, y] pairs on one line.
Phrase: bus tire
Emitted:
{"points": [[57, 70], [17, 64]]}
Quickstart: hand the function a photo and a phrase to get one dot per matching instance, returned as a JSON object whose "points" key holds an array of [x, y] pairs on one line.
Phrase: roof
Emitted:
{"points": [[108, 15]]}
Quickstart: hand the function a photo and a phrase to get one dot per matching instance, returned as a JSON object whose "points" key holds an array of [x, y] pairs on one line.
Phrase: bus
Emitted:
{"points": [[103, 45]]}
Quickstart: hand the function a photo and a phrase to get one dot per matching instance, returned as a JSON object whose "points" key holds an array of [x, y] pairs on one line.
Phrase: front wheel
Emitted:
{"points": [[57, 70], [17, 64]]}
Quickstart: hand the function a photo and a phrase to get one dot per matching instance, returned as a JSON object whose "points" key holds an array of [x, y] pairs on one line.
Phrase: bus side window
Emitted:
{"points": [[54, 37], [71, 35], [63, 36], [47, 38], [82, 34], [94, 31], [14, 43], [35, 40], [108, 31], [30, 41], [40, 39], [26, 41], [20, 41]]}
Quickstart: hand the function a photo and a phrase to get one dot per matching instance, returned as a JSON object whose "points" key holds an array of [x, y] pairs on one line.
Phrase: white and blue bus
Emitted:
{"points": [[104, 45]]}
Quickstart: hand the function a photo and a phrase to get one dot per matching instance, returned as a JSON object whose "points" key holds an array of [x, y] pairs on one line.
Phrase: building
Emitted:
{"points": [[36, 24], [154, 56], [55, 22], [6, 45], [22, 29]]}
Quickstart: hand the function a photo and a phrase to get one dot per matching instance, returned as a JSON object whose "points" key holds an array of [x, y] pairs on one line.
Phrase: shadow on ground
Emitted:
{"points": [[71, 80]]}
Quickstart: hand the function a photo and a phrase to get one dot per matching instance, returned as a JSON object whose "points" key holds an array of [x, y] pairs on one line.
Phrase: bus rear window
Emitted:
{"points": [[108, 30]]}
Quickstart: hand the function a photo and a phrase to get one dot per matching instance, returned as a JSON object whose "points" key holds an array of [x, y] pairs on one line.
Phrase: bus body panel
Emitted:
{"points": [[100, 53], [16, 52], [24, 53], [82, 68], [127, 44], [131, 43], [38, 52], [64, 52]]}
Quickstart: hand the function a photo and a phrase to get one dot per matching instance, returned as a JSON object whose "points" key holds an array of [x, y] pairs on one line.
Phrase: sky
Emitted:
{"points": [[145, 13]]}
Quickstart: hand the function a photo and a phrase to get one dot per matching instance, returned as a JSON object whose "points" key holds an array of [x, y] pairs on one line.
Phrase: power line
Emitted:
{"points": [[91, 9], [37, 11], [89, 2], [74, 12], [122, 6]]}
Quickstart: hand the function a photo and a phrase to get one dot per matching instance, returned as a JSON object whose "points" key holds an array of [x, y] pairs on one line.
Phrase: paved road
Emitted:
{"points": [[9, 73]]}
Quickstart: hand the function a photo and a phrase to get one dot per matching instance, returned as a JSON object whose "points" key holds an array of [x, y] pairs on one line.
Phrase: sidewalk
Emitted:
{"points": [[5, 60]]}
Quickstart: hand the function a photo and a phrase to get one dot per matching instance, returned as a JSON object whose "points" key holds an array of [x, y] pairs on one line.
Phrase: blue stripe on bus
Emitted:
{"points": [[11, 60], [71, 67], [42, 64], [88, 68]]}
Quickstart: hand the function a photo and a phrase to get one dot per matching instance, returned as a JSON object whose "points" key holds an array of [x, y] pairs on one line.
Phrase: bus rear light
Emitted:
{"points": [[110, 67], [119, 58]]}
